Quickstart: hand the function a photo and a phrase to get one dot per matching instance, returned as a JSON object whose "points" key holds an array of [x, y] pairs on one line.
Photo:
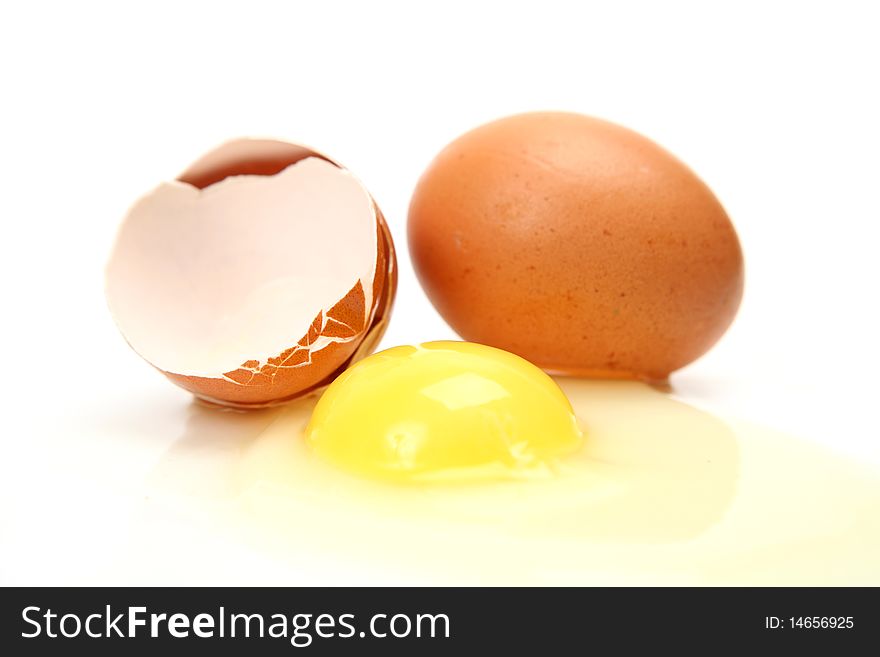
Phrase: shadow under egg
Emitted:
{"points": [[204, 461]]}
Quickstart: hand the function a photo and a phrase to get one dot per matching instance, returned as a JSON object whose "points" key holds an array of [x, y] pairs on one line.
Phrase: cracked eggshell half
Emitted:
{"points": [[255, 277]]}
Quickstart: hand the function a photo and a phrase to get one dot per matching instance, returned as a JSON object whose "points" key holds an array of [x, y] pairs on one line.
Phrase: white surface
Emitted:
{"points": [[775, 105]]}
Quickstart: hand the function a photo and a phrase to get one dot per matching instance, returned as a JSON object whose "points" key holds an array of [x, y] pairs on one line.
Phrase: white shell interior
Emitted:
{"points": [[201, 281]]}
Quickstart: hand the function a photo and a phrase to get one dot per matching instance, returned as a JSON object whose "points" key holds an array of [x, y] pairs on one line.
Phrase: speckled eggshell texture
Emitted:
{"points": [[577, 244]]}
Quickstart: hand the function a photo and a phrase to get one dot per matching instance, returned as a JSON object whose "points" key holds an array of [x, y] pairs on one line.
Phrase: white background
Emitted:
{"points": [[774, 104]]}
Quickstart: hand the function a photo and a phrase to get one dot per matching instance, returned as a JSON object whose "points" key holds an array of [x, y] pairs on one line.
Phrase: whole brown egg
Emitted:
{"points": [[577, 244]]}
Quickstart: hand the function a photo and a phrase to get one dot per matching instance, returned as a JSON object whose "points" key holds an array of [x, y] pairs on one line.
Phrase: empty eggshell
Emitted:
{"points": [[256, 277], [577, 244]]}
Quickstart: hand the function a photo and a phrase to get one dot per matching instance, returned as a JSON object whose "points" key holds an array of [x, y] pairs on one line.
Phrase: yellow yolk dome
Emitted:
{"points": [[443, 410]]}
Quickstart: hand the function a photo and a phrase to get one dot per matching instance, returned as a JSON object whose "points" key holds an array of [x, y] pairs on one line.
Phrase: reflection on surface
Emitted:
{"points": [[203, 462], [660, 493]]}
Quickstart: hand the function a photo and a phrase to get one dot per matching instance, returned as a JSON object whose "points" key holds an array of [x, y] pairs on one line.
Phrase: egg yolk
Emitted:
{"points": [[443, 410]]}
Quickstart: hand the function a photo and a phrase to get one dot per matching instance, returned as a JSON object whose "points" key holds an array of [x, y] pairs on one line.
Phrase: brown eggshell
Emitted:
{"points": [[577, 244], [297, 371], [252, 386]]}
